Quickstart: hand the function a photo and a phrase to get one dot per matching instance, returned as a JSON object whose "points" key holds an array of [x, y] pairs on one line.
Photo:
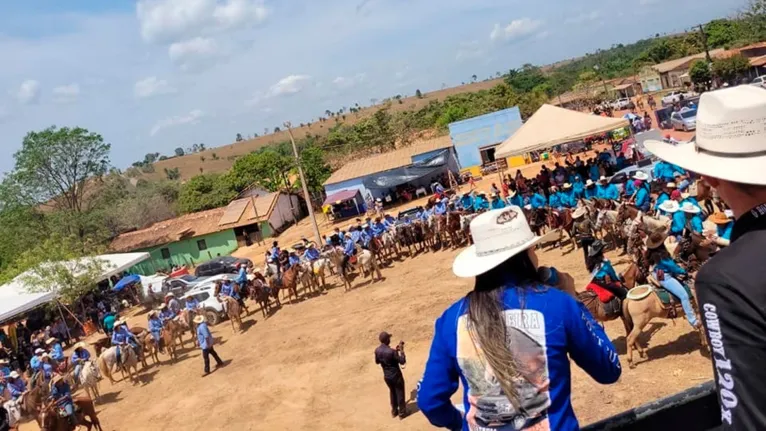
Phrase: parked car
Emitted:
{"points": [[184, 283], [621, 176], [675, 97], [621, 103], [685, 119], [220, 265], [205, 295], [759, 81]]}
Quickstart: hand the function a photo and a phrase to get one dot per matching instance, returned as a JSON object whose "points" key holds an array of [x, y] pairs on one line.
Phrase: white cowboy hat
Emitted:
{"points": [[589, 183], [81, 345], [498, 235], [639, 175], [731, 139], [671, 185], [669, 206], [579, 212], [39, 351], [527, 207], [602, 178], [567, 186], [121, 321], [170, 294], [198, 319], [689, 208], [13, 375], [378, 200], [4, 361], [511, 193], [51, 340]]}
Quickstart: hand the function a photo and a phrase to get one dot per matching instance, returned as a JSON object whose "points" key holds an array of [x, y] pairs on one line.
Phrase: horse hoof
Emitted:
{"points": [[631, 365]]}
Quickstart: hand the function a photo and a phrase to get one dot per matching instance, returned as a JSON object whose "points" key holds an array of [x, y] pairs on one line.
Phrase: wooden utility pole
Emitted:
{"points": [[305, 187], [704, 44]]}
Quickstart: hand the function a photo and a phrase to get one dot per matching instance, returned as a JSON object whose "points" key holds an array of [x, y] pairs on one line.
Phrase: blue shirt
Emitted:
{"points": [[594, 172], [479, 203], [275, 253], [607, 192], [679, 221], [497, 204], [356, 235], [516, 200], [724, 231], [546, 331], [5, 371], [204, 338], [35, 362], [620, 162], [311, 254], [81, 356], [629, 188], [62, 390], [292, 260], [47, 369], [537, 201], [466, 202], [227, 289], [16, 388], [567, 199], [155, 326], [57, 352], [191, 303], [440, 208], [578, 188], [590, 193], [389, 222], [642, 199], [554, 201], [605, 269], [121, 335], [168, 314], [349, 248], [669, 266], [242, 276]]}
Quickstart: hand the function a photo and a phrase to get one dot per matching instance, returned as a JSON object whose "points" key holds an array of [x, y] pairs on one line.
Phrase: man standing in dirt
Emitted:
{"points": [[390, 359]]}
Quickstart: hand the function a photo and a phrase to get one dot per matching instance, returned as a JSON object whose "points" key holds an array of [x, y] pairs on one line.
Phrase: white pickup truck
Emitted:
{"points": [[675, 97]]}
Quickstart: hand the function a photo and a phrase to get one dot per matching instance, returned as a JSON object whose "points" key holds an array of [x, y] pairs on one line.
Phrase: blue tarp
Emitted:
{"points": [[126, 281], [394, 177]]}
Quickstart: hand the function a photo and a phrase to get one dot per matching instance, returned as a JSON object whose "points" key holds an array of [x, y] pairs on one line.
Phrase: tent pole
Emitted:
{"points": [[61, 313]]}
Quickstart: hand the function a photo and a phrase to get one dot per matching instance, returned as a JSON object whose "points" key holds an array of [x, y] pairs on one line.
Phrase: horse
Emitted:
{"points": [[405, 235], [171, 330], [390, 245], [563, 222], [150, 348], [318, 268], [49, 420], [290, 281], [89, 380], [453, 228], [233, 311], [439, 223], [597, 308], [693, 250], [367, 263], [306, 275], [108, 359], [337, 256], [140, 333], [638, 313]]}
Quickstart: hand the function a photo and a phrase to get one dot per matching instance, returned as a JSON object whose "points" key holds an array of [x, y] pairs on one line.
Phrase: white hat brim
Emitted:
{"points": [[746, 170], [469, 264]]}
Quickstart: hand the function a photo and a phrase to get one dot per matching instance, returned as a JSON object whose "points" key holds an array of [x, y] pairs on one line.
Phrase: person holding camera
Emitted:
{"points": [[390, 360]]}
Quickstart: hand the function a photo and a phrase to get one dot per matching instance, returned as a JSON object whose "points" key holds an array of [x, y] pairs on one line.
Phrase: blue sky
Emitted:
{"points": [[153, 75]]}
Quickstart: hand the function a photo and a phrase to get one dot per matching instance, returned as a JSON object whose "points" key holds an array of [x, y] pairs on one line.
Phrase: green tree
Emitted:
{"points": [[525, 79], [721, 32], [268, 169], [731, 68], [179, 152], [172, 174], [699, 73], [239, 138], [204, 192], [315, 169], [418, 94]]}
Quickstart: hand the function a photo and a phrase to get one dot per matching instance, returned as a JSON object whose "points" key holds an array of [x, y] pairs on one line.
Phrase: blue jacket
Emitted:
{"points": [[242, 276], [16, 388], [155, 326], [554, 201], [440, 208], [605, 269], [479, 203], [550, 328], [679, 221], [497, 204], [594, 172], [642, 199], [168, 314], [669, 266], [292, 260], [311, 254], [724, 231], [579, 189], [349, 248], [538, 201], [122, 335], [607, 192], [467, 202], [568, 199], [34, 362], [81, 356], [590, 193], [516, 200], [62, 391], [57, 352], [191, 303], [629, 188], [204, 338]]}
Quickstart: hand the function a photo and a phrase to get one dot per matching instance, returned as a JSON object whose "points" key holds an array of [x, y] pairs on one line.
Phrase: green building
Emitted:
{"points": [[195, 238]]}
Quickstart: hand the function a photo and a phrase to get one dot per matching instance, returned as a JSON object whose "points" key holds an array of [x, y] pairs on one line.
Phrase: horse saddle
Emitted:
{"points": [[352, 260], [669, 301]]}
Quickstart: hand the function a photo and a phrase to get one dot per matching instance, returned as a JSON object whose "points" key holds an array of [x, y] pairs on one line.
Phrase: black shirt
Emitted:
{"points": [[389, 359], [732, 295]]}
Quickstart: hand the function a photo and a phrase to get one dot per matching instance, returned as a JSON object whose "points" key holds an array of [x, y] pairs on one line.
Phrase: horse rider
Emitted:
{"points": [[578, 188], [590, 190], [480, 202], [582, 230], [441, 207], [5, 370], [312, 254], [192, 305], [173, 304], [666, 171], [607, 191], [349, 250], [724, 226], [466, 202], [389, 221], [155, 328], [35, 362], [515, 198], [242, 274], [275, 255], [166, 313], [292, 259], [16, 385], [496, 203], [61, 393], [642, 196], [122, 337], [664, 195], [666, 271], [567, 196], [46, 367], [692, 220], [56, 351], [80, 356], [681, 181], [603, 272], [367, 235], [554, 200]]}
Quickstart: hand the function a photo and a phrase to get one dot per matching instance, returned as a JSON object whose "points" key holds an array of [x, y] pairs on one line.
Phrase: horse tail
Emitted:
{"points": [[627, 319], [103, 367]]}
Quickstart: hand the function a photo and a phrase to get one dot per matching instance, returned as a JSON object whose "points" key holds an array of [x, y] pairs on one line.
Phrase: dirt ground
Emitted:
{"points": [[310, 365]]}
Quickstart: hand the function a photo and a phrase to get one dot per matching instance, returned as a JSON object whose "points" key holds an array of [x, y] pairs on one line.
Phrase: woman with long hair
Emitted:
{"points": [[509, 340]]}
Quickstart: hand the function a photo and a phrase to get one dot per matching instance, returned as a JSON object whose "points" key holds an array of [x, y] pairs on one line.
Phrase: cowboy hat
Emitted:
{"points": [[198, 319], [579, 212], [589, 183], [378, 200], [639, 175], [45, 355], [498, 235], [57, 378], [669, 206], [338, 202], [481, 193], [671, 185], [153, 312], [39, 351], [689, 208], [602, 178], [596, 248], [730, 142], [122, 321], [527, 207], [511, 193], [719, 218], [81, 345], [567, 186], [162, 307], [3, 361], [656, 239], [14, 375], [51, 340]]}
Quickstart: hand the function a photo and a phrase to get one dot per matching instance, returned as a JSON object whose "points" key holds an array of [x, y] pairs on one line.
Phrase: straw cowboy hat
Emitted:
{"points": [[511, 193], [338, 202], [639, 175], [689, 208], [669, 206], [170, 294], [198, 319], [498, 235], [39, 351], [3, 361], [602, 178], [579, 212], [589, 183], [656, 239], [731, 139], [671, 185], [567, 186], [719, 218], [83, 344], [14, 375], [51, 340]]}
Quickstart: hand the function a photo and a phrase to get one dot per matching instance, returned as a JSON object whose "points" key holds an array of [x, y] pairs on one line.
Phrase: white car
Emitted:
{"points": [[675, 97], [759, 82], [621, 103], [205, 295]]}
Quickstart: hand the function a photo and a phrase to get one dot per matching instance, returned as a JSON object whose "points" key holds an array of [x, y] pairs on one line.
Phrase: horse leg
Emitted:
{"points": [[639, 322]]}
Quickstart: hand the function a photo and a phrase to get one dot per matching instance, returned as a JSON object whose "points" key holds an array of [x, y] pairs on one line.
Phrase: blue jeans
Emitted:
{"points": [[677, 289], [77, 369], [69, 409]]}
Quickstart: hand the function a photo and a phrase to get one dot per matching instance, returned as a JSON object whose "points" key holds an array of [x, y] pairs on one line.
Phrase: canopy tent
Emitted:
{"points": [[551, 126], [405, 174], [346, 203], [125, 282], [341, 196], [16, 298]]}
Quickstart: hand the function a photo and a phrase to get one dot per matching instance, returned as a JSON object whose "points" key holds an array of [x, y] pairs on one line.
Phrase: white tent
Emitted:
{"points": [[551, 126], [15, 297]]}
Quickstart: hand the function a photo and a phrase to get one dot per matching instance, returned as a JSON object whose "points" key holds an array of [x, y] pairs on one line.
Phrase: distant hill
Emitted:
{"points": [[190, 164]]}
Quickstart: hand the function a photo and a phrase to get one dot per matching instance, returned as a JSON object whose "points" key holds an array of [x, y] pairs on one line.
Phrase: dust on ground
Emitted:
{"points": [[310, 365]]}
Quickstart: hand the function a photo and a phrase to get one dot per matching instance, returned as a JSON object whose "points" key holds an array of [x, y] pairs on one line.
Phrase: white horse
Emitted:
{"points": [[318, 267], [108, 360], [89, 376], [368, 264], [14, 412]]}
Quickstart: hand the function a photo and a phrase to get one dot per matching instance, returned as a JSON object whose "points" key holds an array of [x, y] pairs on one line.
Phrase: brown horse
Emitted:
{"points": [[453, 228], [171, 330], [597, 308], [233, 311], [639, 312], [290, 281], [260, 294], [49, 420], [150, 349], [564, 222]]}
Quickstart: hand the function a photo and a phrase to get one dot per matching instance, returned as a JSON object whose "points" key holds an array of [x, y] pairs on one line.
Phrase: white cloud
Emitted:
{"points": [[66, 93], [28, 92], [349, 82], [193, 53], [151, 86], [289, 85], [192, 117], [166, 21], [516, 30], [586, 17]]}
